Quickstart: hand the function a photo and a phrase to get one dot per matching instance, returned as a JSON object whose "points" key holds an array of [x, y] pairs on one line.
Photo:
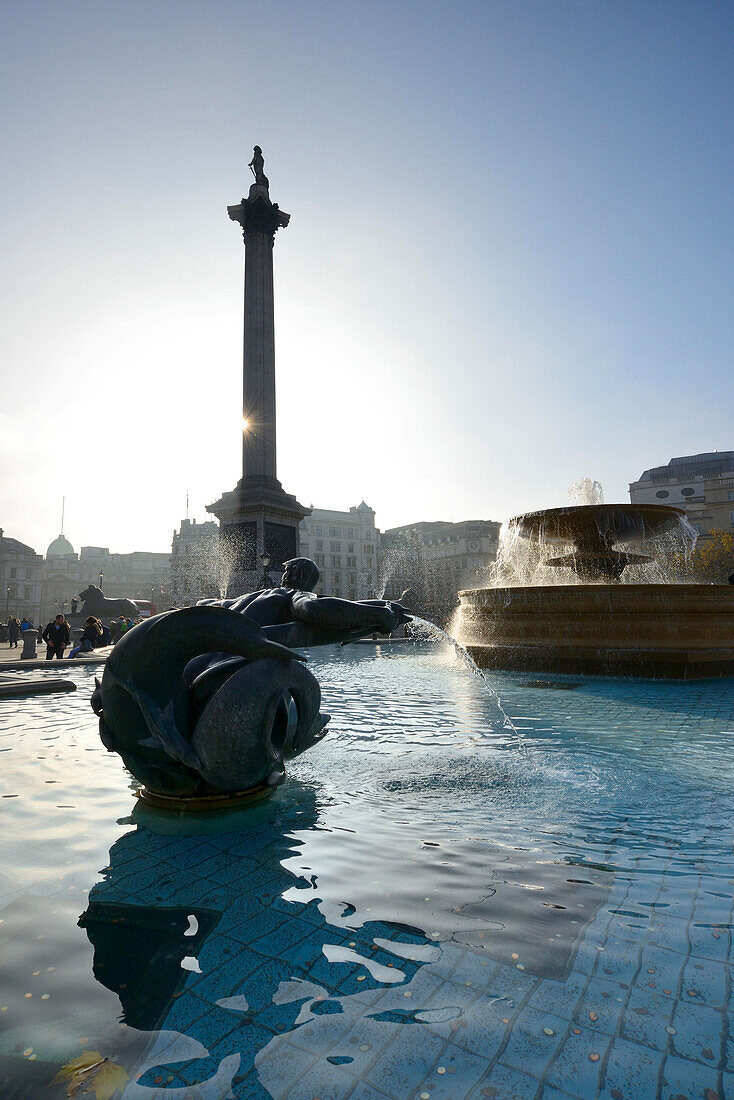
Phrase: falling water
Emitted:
{"points": [[425, 628], [522, 561]]}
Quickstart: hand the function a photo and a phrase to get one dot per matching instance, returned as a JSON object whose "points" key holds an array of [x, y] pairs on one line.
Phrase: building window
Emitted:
{"points": [[13, 572], [26, 593], [335, 532], [731, 518], [687, 492], [350, 546], [28, 574], [662, 493], [319, 544], [318, 529], [335, 560], [730, 495], [351, 563], [319, 559], [368, 551], [335, 547]]}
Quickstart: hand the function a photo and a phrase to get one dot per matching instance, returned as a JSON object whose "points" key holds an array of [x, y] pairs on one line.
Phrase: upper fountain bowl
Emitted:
{"points": [[592, 525]]}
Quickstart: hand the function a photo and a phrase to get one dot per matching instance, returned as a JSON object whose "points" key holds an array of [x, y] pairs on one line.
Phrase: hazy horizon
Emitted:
{"points": [[509, 263]]}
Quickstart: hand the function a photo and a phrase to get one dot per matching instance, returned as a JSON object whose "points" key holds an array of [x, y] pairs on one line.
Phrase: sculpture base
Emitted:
{"points": [[227, 800], [655, 631]]}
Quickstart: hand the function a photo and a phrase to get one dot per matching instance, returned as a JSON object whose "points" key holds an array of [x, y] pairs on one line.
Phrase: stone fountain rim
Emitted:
{"points": [[600, 509]]}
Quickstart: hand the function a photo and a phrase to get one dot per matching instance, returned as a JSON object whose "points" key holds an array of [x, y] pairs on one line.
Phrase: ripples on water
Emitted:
{"points": [[421, 866]]}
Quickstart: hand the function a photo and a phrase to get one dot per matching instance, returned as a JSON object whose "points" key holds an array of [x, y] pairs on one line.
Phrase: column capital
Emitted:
{"points": [[257, 214]]}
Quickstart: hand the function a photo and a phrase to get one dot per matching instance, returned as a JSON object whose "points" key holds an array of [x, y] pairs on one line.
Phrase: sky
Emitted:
{"points": [[509, 263]]}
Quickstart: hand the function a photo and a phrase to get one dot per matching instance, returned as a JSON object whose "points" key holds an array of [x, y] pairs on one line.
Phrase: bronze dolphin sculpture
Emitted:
{"points": [[230, 727]]}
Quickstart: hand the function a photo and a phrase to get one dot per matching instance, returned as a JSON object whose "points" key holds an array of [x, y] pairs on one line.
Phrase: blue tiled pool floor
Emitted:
{"points": [[431, 907]]}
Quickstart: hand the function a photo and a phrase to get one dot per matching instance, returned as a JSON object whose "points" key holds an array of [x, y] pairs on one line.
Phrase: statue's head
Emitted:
{"points": [[300, 573], [258, 150]]}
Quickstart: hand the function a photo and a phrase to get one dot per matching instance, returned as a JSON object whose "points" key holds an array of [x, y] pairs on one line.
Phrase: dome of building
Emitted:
{"points": [[60, 548]]}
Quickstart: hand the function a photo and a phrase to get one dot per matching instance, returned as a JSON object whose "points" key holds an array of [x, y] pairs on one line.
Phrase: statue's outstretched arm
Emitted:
{"points": [[332, 613]]}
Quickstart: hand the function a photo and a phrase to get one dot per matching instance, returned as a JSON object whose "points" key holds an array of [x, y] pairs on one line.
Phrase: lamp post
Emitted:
{"points": [[100, 580], [7, 600], [265, 562]]}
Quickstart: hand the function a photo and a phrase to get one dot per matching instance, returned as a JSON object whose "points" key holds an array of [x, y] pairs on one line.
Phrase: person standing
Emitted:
{"points": [[57, 637], [13, 632]]}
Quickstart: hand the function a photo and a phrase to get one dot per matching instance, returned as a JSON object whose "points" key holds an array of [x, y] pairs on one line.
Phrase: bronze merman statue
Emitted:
{"points": [[213, 699]]}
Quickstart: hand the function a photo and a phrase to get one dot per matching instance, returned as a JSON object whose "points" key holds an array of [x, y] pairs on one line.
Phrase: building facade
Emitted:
{"points": [[346, 548], [196, 569], [433, 561], [141, 575], [21, 575], [703, 484]]}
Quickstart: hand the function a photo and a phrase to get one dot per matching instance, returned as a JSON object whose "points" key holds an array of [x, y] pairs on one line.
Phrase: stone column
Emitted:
{"points": [[258, 516], [259, 218]]}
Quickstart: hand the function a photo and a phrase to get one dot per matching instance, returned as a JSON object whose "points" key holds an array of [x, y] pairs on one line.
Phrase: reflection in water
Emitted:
{"points": [[241, 941], [264, 965], [423, 907], [140, 953]]}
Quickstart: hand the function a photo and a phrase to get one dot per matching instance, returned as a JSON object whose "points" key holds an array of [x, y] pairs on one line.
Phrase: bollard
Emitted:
{"points": [[29, 646]]}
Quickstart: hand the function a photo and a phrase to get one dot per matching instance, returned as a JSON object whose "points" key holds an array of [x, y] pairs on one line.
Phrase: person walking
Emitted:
{"points": [[13, 632], [57, 637]]}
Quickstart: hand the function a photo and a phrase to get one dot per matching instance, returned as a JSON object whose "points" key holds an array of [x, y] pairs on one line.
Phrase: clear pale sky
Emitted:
{"points": [[509, 263]]}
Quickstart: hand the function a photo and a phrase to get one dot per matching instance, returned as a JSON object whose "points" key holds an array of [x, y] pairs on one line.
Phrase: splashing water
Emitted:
{"points": [[425, 628], [586, 491], [523, 561]]}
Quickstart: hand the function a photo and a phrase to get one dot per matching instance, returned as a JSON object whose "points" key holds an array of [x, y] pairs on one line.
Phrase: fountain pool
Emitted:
{"points": [[599, 606], [426, 908]]}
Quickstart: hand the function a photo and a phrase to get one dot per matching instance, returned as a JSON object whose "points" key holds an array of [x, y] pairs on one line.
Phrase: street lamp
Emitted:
{"points": [[265, 562], [7, 600], [100, 579]]}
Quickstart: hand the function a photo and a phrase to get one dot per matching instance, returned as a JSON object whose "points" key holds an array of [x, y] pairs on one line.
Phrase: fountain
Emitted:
{"points": [[570, 593]]}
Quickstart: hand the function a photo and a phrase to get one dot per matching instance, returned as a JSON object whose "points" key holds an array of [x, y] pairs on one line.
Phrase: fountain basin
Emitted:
{"points": [[592, 524], [660, 631], [593, 529]]}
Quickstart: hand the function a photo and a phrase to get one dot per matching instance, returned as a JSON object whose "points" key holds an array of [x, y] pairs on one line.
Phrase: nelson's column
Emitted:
{"points": [[258, 519]]}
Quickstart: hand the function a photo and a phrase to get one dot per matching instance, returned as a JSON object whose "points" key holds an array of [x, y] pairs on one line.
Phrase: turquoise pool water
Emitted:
{"points": [[432, 906]]}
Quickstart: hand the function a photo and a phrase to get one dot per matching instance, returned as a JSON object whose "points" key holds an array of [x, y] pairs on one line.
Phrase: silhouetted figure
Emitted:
{"points": [[57, 637]]}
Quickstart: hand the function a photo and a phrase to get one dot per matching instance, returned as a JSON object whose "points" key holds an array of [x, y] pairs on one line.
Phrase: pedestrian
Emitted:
{"points": [[106, 635], [24, 625], [13, 632], [57, 637]]}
